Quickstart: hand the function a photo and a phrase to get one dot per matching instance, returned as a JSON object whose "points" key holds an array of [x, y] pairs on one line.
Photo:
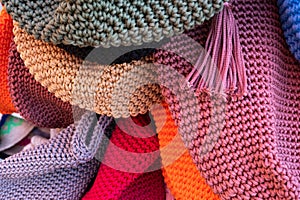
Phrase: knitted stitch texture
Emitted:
{"points": [[100, 88], [109, 23], [6, 34], [119, 184], [256, 154], [181, 175], [289, 11], [33, 101], [58, 169]]}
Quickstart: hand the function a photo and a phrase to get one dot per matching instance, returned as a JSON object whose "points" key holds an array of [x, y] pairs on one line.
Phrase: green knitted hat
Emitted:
{"points": [[109, 23]]}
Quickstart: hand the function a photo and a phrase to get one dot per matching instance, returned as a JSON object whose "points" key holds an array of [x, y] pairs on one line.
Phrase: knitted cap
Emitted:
{"points": [[117, 184], [58, 169], [6, 34], [289, 11], [181, 174], [253, 140], [118, 90], [33, 101], [98, 23]]}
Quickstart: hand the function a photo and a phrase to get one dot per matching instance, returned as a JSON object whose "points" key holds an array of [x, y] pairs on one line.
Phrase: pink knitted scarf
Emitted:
{"points": [[246, 147]]}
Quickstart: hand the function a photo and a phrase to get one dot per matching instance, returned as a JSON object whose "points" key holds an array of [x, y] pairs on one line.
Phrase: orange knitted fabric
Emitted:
{"points": [[6, 35], [181, 176]]}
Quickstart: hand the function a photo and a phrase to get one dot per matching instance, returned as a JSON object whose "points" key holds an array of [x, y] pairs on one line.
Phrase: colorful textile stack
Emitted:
{"points": [[150, 100]]}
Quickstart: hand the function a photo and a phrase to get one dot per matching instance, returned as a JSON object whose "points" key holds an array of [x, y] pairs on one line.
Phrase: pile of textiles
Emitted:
{"points": [[150, 100]]}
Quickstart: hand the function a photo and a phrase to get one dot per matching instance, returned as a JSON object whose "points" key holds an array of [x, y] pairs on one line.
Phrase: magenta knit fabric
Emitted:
{"points": [[116, 182], [257, 154], [33, 101]]}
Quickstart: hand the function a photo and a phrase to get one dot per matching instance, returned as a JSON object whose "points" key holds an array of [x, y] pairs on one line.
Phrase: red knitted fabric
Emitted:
{"points": [[116, 184], [6, 34], [33, 101]]}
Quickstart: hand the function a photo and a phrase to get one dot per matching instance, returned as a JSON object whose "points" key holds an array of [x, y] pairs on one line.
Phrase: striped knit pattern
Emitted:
{"points": [[6, 34], [58, 169], [256, 154], [289, 11], [118, 90], [109, 23], [181, 175], [116, 183], [33, 101]]}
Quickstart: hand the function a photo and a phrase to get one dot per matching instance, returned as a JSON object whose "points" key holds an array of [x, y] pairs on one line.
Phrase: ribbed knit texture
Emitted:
{"points": [[289, 11], [180, 173], [6, 34], [33, 101], [119, 184], [100, 88], [109, 23], [59, 169], [256, 155]]}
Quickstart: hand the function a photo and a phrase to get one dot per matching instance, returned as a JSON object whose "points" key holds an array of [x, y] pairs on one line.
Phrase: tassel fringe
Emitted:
{"points": [[221, 70]]}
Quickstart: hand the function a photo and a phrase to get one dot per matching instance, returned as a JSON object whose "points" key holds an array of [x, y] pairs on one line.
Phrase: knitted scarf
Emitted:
{"points": [[118, 90], [6, 34], [109, 23], [289, 11], [246, 147], [59, 169], [33, 101], [180, 173], [124, 172]]}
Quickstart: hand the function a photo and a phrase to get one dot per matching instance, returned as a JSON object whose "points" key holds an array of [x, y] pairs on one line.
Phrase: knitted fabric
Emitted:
{"points": [[117, 183], [58, 169], [181, 175], [256, 154], [6, 34], [118, 90], [98, 23], [289, 11], [33, 101]]}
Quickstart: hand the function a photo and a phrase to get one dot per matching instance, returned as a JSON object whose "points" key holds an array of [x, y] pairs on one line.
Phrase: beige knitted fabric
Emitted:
{"points": [[118, 90]]}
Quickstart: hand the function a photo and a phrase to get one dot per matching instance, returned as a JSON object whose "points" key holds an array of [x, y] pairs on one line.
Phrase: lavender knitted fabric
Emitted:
{"points": [[257, 154], [59, 169], [33, 101]]}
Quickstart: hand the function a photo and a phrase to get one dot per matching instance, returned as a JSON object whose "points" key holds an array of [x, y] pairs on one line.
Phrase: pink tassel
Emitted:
{"points": [[221, 70]]}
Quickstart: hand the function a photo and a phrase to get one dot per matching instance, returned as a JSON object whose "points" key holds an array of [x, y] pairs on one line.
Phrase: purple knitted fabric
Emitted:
{"points": [[257, 154], [33, 101], [59, 169]]}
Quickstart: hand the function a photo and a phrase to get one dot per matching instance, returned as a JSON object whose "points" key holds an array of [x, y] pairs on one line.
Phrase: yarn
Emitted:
{"points": [[289, 11], [117, 90], [181, 175], [58, 169], [107, 23], [253, 141], [33, 101], [117, 183], [6, 34]]}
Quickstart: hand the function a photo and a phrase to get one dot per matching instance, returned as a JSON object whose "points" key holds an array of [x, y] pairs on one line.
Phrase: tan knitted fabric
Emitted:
{"points": [[118, 90]]}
